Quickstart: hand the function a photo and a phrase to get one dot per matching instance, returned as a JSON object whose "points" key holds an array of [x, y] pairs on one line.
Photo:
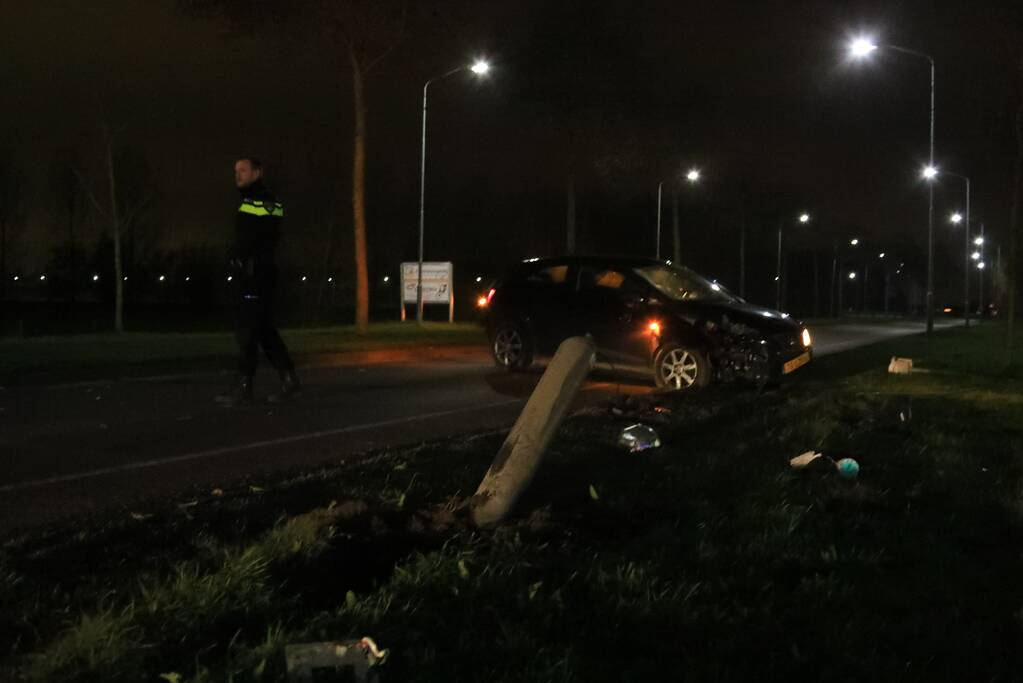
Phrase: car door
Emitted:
{"points": [[548, 293], [613, 306]]}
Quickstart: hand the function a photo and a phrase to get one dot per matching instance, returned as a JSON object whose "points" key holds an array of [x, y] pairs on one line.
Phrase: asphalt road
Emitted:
{"points": [[74, 448]]}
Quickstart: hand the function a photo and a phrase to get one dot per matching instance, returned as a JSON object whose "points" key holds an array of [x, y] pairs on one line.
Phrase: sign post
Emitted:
{"points": [[438, 285]]}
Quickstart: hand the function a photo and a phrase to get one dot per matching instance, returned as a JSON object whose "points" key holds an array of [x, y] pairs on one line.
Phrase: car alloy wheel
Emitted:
{"points": [[681, 368], [511, 349]]}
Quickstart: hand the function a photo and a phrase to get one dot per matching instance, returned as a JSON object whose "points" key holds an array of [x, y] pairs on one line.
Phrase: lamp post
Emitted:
{"points": [[980, 273], [804, 218], [480, 68], [860, 49], [693, 175], [966, 249]]}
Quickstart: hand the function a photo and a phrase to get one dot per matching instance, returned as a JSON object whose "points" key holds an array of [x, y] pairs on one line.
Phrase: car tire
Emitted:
{"points": [[681, 367], [512, 347]]}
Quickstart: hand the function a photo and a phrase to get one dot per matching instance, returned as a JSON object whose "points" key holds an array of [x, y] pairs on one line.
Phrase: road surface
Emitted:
{"points": [[73, 448]]}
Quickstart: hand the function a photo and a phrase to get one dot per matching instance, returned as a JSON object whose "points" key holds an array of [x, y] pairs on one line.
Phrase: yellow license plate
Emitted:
{"points": [[796, 363]]}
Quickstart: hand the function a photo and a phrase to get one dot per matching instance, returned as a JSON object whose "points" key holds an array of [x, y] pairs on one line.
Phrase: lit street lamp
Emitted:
{"points": [[804, 218], [956, 219], [693, 175], [861, 48], [480, 68]]}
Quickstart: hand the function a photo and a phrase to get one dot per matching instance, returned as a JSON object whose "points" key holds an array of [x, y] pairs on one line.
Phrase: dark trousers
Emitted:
{"points": [[256, 329]]}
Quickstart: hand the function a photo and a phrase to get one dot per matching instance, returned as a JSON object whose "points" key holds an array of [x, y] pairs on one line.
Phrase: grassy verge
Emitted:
{"points": [[708, 559], [41, 358]]}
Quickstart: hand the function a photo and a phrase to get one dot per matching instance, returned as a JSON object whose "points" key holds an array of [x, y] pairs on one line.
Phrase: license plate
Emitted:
{"points": [[796, 363]]}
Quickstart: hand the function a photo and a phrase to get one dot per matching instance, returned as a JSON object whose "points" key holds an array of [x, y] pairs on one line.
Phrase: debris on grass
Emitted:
{"points": [[847, 468], [801, 461], [900, 366], [638, 437], [345, 660]]}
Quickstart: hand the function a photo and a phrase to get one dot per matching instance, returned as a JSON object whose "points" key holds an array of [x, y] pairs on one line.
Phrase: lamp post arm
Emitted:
{"points": [[422, 194]]}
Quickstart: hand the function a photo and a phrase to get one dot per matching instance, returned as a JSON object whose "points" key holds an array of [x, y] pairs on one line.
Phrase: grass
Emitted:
{"points": [[708, 559], [40, 358]]}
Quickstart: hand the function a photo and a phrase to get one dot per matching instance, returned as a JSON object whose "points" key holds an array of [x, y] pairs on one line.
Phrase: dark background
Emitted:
{"points": [[621, 95]]}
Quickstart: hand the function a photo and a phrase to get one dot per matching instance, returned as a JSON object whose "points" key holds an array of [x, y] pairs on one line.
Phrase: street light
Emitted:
{"points": [[929, 173], [854, 241], [979, 241], [861, 48], [956, 218], [692, 176], [804, 218], [480, 68]]}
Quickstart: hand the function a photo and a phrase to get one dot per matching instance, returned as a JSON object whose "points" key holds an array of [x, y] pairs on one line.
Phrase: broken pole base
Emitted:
{"points": [[517, 461]]}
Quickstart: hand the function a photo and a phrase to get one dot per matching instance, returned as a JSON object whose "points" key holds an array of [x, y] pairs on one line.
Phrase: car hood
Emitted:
{"points": [[766, 320]]}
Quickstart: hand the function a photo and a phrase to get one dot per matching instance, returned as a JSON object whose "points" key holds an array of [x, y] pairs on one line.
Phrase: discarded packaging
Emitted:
{"points": [[900, 366], [350, 660], [847, 468], [801, 461], [638, 437]]}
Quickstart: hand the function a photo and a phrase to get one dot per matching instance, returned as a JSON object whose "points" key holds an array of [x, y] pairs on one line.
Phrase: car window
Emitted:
{"points": [[608, 279], [683, 284], [552, 275]]}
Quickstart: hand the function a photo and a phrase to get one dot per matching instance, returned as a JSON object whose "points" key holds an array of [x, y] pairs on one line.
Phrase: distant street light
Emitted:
{"points": [[861, 48], [692, 176], [480, 68], [852, 276], [975, 256], [929, 173], [804, 218], [854, 241], [956, 218], [980, 265], [979, 241], [966, 248], [881, 255], [95, 278]]}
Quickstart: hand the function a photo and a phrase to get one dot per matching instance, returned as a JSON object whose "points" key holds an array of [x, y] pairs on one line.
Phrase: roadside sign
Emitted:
{"points": [[438, 285]]}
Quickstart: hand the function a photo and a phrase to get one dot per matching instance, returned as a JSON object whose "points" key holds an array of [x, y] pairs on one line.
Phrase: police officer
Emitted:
{"points": [[257, 232]]}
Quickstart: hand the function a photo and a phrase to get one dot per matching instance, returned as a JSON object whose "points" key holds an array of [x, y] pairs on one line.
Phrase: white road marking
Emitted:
{"points": [[200, 455]]}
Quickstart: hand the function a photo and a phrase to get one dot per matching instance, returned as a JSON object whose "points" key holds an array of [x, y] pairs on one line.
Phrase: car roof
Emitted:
{"points": [[604, 261]]}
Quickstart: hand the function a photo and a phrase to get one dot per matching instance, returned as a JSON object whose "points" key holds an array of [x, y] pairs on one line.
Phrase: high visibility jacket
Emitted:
{"points": [[257, 234]]}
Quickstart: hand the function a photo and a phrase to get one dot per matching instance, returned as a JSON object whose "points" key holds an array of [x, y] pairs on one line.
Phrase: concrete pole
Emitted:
{"points": [[519, 458]]}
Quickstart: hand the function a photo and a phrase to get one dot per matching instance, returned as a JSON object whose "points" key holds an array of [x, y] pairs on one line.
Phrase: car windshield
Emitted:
{"points": [[683, 284]]}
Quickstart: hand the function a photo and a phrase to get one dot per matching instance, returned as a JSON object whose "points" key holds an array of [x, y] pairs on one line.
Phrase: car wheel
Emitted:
{"points": [[512, 347], [679, 367]]}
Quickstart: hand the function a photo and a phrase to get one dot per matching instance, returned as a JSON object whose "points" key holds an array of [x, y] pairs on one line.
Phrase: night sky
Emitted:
{"points": [[759, 95]]}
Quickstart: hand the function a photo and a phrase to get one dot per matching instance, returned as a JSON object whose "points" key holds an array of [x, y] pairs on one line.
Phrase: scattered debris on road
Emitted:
{"points": [[847, 468], [900, 366]]}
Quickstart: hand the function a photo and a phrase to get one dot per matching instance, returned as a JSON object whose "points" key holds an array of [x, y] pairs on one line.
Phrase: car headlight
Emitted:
{"points": [[806, 338]]}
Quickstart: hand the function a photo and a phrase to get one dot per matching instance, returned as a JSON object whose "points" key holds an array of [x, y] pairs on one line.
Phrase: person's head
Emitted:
{"points": [[247, 170]]}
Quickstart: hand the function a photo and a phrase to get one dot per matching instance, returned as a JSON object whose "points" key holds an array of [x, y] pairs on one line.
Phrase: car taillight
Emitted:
{"points": [[490, 295], [484, 301]]}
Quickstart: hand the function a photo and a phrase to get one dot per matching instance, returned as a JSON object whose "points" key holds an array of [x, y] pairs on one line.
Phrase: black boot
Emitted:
{"points": [[290, 386], [240, 395]]}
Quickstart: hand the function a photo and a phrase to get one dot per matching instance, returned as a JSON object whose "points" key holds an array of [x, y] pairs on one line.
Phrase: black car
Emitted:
{"points": [[641, 313]]}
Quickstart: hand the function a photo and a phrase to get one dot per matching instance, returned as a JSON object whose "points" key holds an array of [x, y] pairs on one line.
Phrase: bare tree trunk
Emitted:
{"points": [[1011, 271], [115, 224], [816, 286], [742, 252], [359, 199], [676, 239], [570, 214], [3, 259]]}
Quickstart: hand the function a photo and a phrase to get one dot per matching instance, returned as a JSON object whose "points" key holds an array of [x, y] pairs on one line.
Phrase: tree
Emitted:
{"points": [[120, 209], [12, 208], [365, 32]]}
